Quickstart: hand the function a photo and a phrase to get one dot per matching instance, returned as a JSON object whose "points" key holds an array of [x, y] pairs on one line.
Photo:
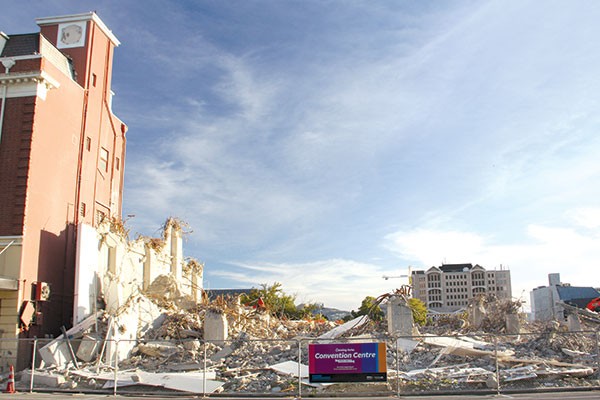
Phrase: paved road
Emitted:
{"points": [[587, 395]]}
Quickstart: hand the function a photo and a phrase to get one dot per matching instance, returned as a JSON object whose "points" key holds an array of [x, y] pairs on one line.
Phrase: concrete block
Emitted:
{"points": [[573, 323], [42, 378], [88, 348], [513, 325], [399, 317], [476, 314], [215, 326], [56, 352]]}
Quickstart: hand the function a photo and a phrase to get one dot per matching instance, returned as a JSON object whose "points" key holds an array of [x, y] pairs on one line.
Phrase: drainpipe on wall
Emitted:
{"points": [[8, 64]]}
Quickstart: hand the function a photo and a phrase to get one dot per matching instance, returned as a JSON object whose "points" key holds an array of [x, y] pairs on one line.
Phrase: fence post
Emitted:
{"points": [[35, 340], [204, 370], [116, 367], [300, 368], [397, 368], [497, 365], [597, 353]]}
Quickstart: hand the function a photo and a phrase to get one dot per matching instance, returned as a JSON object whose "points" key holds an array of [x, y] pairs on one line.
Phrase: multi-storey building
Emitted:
{"points": [[450, 287], [61, 164]]}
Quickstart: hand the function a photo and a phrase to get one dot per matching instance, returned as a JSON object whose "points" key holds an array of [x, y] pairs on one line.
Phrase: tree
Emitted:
{"points": [[370, 307], [419, 311], [274, 299]]}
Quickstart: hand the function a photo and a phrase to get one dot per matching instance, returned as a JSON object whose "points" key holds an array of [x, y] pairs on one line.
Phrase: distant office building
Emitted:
{"points": [[61, 165], [547, 301], [449, 287]]}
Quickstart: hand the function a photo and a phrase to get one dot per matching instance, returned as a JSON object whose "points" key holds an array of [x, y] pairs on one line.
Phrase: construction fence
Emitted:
{"points": [[413, 365]]}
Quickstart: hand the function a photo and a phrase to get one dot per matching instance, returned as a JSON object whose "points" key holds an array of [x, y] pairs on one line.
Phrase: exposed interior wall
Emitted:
{"points": [[86, 272], [111, 270]]}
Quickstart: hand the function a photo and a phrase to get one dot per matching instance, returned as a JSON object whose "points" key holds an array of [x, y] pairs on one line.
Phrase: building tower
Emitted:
{"points": [[61, 164]]}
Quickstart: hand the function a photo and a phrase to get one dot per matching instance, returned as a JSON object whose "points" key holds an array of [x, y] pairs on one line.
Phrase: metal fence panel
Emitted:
{"points": [[415, 365]]}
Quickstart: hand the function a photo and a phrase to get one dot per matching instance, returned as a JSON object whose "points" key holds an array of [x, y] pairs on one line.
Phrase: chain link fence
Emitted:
{"points": [[280, 368]]}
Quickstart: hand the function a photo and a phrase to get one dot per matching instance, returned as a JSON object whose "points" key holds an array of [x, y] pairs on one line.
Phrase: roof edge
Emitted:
{"points": [[88, 16]]}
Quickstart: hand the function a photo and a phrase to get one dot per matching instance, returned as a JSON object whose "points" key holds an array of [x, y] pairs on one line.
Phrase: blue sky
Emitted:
{"points": [[323, 144]]}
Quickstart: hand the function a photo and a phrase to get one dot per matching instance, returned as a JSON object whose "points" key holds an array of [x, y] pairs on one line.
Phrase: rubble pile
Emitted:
{"points": [[259, 353]]}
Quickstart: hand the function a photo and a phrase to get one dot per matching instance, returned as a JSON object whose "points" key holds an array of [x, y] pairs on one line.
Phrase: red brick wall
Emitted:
{"points": [[14, 163]]}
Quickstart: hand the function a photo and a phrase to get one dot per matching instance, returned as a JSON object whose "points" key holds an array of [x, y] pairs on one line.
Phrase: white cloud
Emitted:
{"points": [[337, 282], [548, 249], [431, 120], [586, 217]]}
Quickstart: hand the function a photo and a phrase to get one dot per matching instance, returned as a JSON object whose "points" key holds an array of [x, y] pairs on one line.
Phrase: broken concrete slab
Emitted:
{"points": [[399, 317], [161, 349], [42, 378], [88, 348], [341, 329], [460, 347], [57, 352], [518, 373], [290, 368], [188, 366], [221, 354], [578, 354], [406, 345], [513, 324], [461, 372], [215, 326], [573, 323], [193, 382]]}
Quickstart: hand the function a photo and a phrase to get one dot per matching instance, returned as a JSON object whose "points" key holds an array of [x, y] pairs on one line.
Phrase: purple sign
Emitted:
{"points": [[347, 362]]}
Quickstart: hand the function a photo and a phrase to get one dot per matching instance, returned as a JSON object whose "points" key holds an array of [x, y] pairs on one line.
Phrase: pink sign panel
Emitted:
{"points": [[347, 362]]}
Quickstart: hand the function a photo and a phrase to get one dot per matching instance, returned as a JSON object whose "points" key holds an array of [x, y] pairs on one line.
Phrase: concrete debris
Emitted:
{"points": [[578, 354], [399, 317], [43, 378], [462, 346], [215, 326], [346, 327], [192, 382], [460, 373], [88, 348], [57, 351], [290, 368], [245, 350], [406, 345]]}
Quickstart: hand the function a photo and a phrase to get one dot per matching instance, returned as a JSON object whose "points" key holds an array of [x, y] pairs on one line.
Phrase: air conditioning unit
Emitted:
{"points": [[41, 291]]}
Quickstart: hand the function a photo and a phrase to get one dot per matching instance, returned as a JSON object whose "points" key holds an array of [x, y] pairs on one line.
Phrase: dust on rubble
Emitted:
{"points": [[452, 351]]}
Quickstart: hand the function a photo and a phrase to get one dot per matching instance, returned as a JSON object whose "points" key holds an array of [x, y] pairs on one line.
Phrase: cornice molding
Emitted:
{"points": [[89, 16]]}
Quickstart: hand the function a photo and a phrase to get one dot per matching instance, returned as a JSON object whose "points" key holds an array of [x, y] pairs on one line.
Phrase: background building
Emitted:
{"points": [[450, 287], [547, 301], [61, 164]]}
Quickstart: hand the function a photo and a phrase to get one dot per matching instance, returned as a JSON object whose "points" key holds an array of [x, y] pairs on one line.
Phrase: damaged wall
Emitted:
{"points": [[111, 269]]}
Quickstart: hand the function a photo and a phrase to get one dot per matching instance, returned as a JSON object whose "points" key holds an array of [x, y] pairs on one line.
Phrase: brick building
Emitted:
{"points": [[61, 164], [450, 287]]}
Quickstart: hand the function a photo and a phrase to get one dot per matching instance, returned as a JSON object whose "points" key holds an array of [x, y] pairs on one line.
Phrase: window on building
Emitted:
{"points": [[94, 80], [118, 163], [88, 143], [82, 209], [103, 163]]}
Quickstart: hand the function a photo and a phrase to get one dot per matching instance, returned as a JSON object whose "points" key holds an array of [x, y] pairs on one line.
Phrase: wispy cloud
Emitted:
{"points": [[344, 283], [547, 249], [309, 131]]}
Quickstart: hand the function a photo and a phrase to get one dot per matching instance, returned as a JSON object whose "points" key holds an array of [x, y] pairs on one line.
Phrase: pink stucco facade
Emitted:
{"points": [[62, 152]]}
